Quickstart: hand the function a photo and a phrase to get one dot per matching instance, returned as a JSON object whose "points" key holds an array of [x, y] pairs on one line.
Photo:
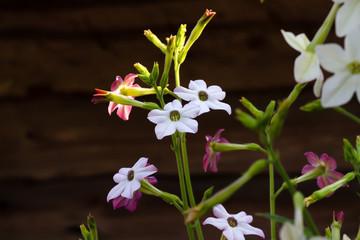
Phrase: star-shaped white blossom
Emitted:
{"points": [[174, 118], [128, 179], [206, 97], [234, 226], [347, 17], [307, 66], [345, 64]]}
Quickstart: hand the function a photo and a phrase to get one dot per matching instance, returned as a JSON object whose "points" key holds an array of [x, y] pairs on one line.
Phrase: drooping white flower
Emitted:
{"points": [[345, 64], [174, 117], [128, 179], [291, 232], [206, 97], [234, 226], [347, 17], [307, 66]]}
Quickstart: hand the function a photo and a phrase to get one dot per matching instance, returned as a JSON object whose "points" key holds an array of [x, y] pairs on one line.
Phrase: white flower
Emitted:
{"points": [[345, 64], [174, 117], [206, 97], [234, 227], [307, 66], [347, 17], [128, 179]]}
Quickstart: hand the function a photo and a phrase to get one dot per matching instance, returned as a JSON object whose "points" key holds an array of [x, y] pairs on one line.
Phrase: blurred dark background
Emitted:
{"points": [[59, 151]]}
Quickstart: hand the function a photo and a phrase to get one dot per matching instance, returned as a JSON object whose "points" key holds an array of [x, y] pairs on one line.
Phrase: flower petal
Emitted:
{"points": [[307, 168], [164, 129], [216, 105], [299, 42], [338, 89], [186, 94], [124, 111], [130, 188], [129, 79], [158, 116], [247, 229], [219, 223], [352, 44], [216, 92], [318, 84], [220, 212], [306, 67], [187, 125], [312, 158], [116, 191], [329, 161], [190, 110], [347, 17], [197, 85], [332, 57]]}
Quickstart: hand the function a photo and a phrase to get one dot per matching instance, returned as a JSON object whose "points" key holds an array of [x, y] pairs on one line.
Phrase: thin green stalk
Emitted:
{"points": [[272, 200], [184, 198], [188, 183], [177, 73], [347, 114]]}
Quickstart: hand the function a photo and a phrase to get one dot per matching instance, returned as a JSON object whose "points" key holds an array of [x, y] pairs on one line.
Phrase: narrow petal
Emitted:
{"points": [[312, 158], [347, 18], [322, 181], [219, 223], [329, 161], [306, 67], [220, 212], [176, 105], [216, 92], [318, 84], [307, 168], [229, 234], [296, 42], [186, 94], [187, 125], [216, 105], [247, 229], [164, 129], [124, 111], [203, 107], [197, 85], [116, 191], [206, 161], [119, 177], [333, 176], [158, 116], [332, 57], [190, 110], [129, 79], [338, 89], [112, 106], [130, 188], [141, 163], [116, 84]]}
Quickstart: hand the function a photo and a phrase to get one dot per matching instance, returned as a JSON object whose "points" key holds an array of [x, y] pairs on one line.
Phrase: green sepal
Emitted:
{"points": [[278, 119], [312, 106], [168, 60], [180, 38], [207, 193], [269, 112]]}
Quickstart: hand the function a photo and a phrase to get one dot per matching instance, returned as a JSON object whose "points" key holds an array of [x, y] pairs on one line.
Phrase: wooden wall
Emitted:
{"points": [[59, 151]]}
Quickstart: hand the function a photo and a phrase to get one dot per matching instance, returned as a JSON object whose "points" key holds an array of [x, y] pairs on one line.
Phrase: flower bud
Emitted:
{"points": [[254, 111], [155, 40], [329, 189], [154, 74], [336, 225], [144, 73], [247, 120], [349, 152], [180, 37]]}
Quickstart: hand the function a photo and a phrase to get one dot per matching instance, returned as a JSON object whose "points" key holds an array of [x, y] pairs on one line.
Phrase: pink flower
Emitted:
{"points": [[126, 192], [212, 157], [130, 204], [329, 164], [234, 226], [123, 110]]}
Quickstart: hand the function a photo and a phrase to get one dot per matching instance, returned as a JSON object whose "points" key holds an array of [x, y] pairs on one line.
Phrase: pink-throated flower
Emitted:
{"points": [[126, 192], [123, 110], [211, 158], [234, 226], [130, 204], [328, 164], [174, 117], [205, 97]]}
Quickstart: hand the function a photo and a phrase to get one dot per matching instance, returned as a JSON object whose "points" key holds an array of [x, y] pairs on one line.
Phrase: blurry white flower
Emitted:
{"points": [[307, 66], [345, 64], [347, 17]]}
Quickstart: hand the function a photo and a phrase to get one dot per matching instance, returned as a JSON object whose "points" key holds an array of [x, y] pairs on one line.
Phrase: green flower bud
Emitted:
{"points": [[155, 40], [254, 111], [154, 74]]}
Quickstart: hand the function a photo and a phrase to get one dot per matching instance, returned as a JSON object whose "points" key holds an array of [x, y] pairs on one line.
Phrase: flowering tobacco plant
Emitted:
{"points": [[175, 118]]}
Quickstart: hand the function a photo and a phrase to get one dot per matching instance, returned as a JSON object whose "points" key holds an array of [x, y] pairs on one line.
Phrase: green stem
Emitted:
{"points": [[347, 114], [184, 199], [188, 183], [323, 31], [177, 72], [272, 200]]}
